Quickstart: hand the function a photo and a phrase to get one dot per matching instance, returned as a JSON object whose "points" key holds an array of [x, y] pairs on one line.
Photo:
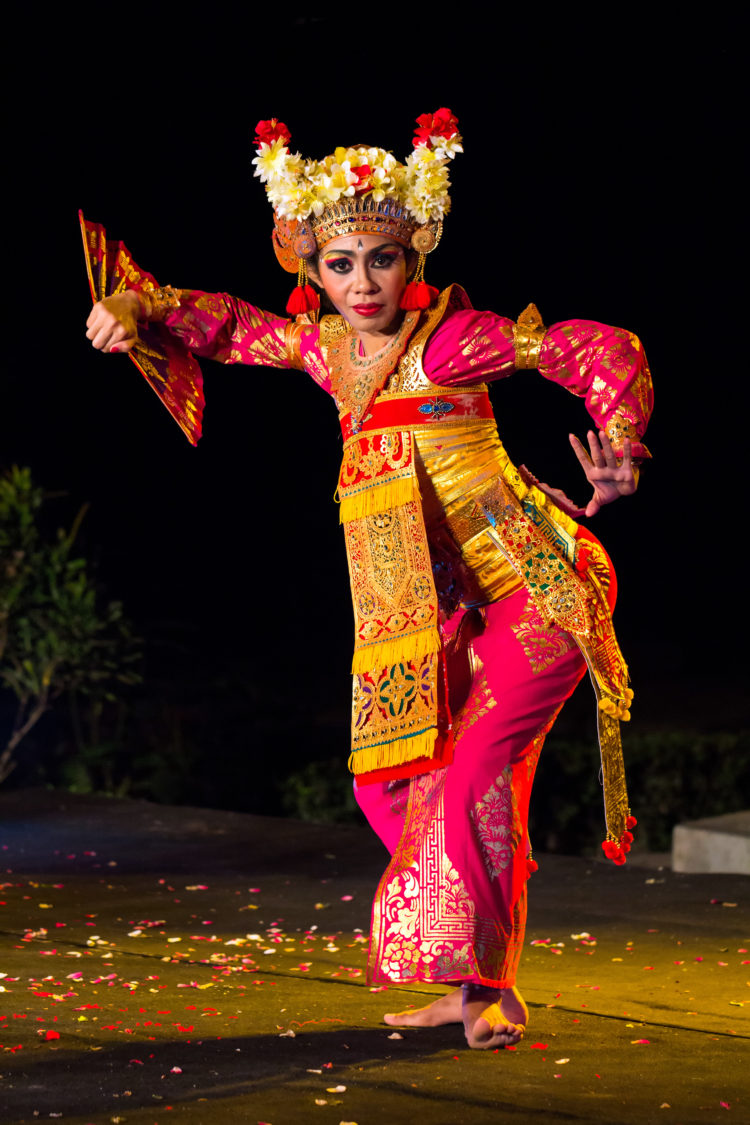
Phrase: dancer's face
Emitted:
{"points": [[364, 275]]}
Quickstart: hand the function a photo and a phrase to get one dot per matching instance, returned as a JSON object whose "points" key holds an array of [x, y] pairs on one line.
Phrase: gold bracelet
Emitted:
{"points": [[158, 302], [528, 337]]}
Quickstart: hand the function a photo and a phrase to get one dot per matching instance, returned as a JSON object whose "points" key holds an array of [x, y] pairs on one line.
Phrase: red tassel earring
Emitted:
{"points": [[418, 294], [303, 298]]}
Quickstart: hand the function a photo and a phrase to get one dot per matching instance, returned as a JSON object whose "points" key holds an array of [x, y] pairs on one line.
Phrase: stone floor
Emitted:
{"points": [[165, 965]]}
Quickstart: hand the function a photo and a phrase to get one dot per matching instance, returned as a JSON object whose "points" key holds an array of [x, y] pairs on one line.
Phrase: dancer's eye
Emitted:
{"points": [[383, 261], [338, 265]]}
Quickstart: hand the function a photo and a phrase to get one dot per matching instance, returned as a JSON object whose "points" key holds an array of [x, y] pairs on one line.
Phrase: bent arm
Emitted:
{"points": [[605, 366], [608, 368]]}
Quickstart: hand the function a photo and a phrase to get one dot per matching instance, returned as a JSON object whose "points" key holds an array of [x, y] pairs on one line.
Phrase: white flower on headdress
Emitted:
{"points": [[445, 148], [270, 160]]}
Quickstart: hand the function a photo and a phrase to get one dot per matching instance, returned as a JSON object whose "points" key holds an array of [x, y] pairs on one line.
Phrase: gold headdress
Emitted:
{"points": [[358, 189]]}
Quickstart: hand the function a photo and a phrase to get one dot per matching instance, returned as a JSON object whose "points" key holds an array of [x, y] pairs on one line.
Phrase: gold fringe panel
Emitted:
{"points": [[395, 650], [395, 753], [375, 498]]}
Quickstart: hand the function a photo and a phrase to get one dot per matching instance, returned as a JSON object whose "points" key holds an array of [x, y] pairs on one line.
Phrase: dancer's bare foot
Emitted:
{"points": [[493, 1017], [446, 1009]]}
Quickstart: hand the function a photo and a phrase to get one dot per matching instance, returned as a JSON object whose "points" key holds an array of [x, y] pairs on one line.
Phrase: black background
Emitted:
{"points": [[599, 180]]}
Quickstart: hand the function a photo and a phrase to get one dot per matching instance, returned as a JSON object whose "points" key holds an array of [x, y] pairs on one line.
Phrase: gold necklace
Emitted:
{"points": [[356, 380]]}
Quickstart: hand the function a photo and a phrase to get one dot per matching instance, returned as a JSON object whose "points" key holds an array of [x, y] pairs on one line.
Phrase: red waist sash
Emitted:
{"points": [[404, 413]]}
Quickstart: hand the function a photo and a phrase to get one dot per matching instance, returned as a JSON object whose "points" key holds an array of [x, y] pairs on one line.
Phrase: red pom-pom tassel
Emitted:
{"points": [[531, 867], [630, 822], [619, 859], [610, 849], [418, 295], [303, 299]]}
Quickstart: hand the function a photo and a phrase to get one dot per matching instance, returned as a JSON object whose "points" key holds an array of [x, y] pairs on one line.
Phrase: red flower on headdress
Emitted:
{"points": [[363, 173], [439, 124], [266, 132]]}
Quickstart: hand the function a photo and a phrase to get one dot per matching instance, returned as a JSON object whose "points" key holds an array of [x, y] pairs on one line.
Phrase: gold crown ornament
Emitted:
{"points": [[357, 190]]}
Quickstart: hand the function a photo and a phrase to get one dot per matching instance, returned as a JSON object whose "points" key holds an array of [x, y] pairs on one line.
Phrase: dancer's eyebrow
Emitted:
{"points": [[352, 253]]}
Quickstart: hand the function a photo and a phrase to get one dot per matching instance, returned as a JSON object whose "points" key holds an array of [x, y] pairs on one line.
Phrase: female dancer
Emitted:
{"points": [[479, 601]]}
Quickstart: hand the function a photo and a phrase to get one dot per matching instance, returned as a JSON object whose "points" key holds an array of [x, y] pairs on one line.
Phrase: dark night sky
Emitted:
{"points": [[597, 180]]}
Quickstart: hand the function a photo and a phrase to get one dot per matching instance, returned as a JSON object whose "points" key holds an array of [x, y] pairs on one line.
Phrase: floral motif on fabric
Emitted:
{"points": [[542, 641], [476, 349], [602, 394], [212, 304], [425, 923], [618, 360], [582, 333], [480, 703], [497, 824]]}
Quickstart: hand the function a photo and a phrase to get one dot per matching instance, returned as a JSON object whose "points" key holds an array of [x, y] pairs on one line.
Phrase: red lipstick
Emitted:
{"points": [[366, 310]]}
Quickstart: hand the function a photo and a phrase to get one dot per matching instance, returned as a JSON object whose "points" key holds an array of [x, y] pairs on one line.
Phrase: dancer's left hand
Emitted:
{"points": [[609, 480]]}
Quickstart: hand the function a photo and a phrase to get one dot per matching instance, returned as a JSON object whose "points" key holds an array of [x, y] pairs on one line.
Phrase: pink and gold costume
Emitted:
{"points": [[451, 905], [478, 603]]}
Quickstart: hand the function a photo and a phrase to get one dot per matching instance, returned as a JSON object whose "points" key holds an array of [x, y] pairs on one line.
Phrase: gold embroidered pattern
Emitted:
{"points": [[542, 641], [212, 304], [332, 328], [579, 334], [376, 460], [425, 923], [397, 702], [497, 824], [602, 393], [641, 388], [476, 349], [618, 360], [551, 582], [356, 379], [396, 656]]}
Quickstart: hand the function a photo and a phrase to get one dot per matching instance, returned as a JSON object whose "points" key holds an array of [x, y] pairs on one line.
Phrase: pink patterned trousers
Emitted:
{"points": [[451, 906]]}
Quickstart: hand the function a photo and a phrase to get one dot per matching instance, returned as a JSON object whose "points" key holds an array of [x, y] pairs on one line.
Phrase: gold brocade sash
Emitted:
{"points": [[400, 723]]}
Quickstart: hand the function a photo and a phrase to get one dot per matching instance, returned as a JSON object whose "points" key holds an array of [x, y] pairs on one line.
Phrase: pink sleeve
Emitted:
{"points": [[217, 326], [608, 368], [605, 366], [469, 347]]}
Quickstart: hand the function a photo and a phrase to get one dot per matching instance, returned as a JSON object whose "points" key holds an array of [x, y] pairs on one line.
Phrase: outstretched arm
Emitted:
{"points": [[212, 325]]}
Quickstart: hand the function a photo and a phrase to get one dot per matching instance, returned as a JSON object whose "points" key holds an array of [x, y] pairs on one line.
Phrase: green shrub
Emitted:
{"points": [[55, 636]]}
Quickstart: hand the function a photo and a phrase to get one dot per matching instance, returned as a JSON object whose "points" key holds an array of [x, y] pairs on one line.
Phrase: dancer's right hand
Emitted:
{"points": [[112, 325]]}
